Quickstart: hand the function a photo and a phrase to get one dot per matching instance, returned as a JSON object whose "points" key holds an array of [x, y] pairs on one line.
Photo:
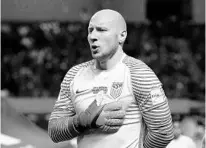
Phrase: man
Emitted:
{"points": [[180, 140], [120, 96]]}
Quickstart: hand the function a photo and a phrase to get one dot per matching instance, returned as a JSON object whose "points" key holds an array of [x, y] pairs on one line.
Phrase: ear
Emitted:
{"points": [[122, 37]]}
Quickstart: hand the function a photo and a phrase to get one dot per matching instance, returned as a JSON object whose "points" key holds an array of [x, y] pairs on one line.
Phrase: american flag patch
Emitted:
{"points": [[116, 89]]}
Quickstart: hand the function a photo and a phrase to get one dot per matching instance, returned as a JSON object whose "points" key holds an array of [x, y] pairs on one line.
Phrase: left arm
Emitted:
{"points": [[154, 107], [157, 117]]}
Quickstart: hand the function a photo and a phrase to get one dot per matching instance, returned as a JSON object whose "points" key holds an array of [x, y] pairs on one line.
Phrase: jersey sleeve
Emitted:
{"points": [[60, 127], [157, 117], [153, 104]]}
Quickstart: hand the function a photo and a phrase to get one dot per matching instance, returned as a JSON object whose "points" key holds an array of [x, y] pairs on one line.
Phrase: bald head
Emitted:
{"points": [[107, 33], [110, 16]]}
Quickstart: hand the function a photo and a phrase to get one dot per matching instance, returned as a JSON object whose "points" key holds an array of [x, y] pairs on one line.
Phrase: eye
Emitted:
{"points": [[101, 29], [90, 30]]}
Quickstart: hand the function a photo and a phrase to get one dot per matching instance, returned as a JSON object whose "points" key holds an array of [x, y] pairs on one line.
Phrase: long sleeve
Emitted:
{"points": [[153, 104], [61, 127], [157, 117]]}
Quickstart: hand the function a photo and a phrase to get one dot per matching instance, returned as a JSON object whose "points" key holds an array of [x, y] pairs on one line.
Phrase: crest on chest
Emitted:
{"points": [[116, 89]]}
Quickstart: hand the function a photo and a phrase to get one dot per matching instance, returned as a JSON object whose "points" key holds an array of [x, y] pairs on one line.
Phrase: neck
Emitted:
{"points": [[111, 61]]}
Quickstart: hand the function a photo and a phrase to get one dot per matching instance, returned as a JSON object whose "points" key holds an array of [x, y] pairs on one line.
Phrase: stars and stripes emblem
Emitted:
{"points": [[116, 89]]}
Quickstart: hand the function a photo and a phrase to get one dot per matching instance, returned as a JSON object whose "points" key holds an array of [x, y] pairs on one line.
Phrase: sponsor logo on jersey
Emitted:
{"points": [[96, 90], [116, 89], [81, 91], [157, 95]]}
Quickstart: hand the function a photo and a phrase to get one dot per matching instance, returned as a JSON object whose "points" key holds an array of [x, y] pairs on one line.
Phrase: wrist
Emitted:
{"points": [[77, 124]]}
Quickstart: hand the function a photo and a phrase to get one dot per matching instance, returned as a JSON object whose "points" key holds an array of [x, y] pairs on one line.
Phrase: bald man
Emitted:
{"points": [[113, 100]]}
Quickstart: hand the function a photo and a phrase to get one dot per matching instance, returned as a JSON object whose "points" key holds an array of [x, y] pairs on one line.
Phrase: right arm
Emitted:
{"points": [[64, 124], [61, 126]]}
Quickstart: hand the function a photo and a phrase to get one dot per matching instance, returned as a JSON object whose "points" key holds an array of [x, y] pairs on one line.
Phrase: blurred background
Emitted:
{"points": [[42, 39]]}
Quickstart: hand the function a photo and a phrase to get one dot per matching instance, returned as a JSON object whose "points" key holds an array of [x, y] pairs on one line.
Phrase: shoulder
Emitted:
{"points": [[131, 61], [188, 140], [72, 72], [143, 80], [140, 72], [137, 66]]}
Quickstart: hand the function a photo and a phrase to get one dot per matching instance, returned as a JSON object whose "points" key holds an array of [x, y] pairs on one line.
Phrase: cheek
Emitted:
{"points": [[111, 42], [108, 45]]}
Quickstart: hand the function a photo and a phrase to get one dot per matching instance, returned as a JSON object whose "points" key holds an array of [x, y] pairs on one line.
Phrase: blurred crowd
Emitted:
{"points": [[189, 131], [36, 55]]}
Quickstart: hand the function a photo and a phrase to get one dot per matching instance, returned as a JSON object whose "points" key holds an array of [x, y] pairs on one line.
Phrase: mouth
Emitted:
{"points": [[94, 48]]}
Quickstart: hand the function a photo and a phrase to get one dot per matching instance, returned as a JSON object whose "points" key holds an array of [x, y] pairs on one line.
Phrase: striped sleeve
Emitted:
{"points": [[60, 127], [153, 104]]}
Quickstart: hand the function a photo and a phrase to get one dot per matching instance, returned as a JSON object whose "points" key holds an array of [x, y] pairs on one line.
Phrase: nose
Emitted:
{"points": [[92, 36]]}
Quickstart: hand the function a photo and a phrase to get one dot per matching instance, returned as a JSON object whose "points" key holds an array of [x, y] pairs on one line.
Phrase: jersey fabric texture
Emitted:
{"points": [[147, 122]]}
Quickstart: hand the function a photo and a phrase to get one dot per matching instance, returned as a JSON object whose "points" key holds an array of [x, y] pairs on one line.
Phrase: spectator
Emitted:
{"points": [[180, 140]]}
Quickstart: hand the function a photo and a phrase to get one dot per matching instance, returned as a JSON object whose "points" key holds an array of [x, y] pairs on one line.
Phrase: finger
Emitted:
{"points": [[115, 114], [113, 106], [114, 122], [109, 129]]}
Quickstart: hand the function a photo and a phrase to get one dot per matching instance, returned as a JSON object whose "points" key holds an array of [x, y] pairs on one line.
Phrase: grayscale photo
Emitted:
{"points": [[102, 74]]}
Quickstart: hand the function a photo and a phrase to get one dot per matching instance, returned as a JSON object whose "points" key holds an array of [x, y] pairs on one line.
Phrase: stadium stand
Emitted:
{"points": [[36, 56]]}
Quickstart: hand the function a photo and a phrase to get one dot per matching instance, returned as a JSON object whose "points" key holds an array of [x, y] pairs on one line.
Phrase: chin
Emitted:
{"points": [[97, 56]]}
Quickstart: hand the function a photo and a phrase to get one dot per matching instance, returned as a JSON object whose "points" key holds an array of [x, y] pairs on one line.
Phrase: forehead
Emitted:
{"points": [[103, 20]]}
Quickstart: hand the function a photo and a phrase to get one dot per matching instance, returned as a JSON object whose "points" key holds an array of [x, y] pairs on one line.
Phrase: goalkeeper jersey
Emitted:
{"points": [[147, 121]]}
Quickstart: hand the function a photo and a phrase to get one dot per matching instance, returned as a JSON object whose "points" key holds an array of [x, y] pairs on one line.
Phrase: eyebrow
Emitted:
{"points": [[97, 26]]}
